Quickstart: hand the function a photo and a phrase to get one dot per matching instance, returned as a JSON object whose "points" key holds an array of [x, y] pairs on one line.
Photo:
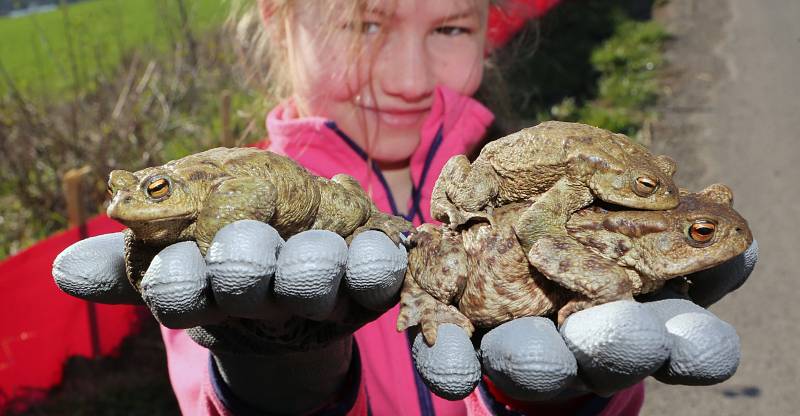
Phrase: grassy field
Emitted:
{"points": [[70, 47]]}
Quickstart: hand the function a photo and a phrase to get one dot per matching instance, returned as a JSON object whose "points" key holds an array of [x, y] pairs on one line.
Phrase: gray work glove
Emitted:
{"points": [[261, 305], [602, 349]]}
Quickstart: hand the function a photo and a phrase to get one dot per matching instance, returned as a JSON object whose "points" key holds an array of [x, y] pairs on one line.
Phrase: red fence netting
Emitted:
{"points": [[41, 326]]}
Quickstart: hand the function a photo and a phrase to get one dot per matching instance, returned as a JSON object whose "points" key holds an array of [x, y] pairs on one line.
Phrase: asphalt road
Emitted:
{"points": [[733, 116]]}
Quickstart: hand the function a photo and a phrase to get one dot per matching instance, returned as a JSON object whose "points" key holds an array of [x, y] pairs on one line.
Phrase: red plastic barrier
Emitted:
{"points": [[41, 326], [506, 19]]}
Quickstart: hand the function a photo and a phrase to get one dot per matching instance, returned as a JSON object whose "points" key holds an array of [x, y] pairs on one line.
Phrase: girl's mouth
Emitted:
{"points": [[398, 117]]}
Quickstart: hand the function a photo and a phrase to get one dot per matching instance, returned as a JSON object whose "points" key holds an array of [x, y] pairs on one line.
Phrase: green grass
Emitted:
{"points": [[627, 87], [68, 48]]}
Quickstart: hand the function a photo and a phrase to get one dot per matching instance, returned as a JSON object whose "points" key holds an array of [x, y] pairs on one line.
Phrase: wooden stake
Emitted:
{"points": [[72, 185]]}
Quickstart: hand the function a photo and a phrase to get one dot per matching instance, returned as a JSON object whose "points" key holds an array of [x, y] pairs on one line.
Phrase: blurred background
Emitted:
{"points": [[95, 85]]}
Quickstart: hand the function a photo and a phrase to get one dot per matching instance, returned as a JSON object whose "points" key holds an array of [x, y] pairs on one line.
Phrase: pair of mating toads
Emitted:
{"points": [[546, 221], [554, 219]]}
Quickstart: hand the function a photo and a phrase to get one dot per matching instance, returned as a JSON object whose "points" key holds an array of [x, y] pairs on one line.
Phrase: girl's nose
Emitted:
{"points": [[403, 69]]}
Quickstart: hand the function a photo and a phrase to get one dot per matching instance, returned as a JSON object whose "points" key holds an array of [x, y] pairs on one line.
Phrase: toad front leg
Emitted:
{"points": [[347, 210], [418, 307], [464, 191], [562, 259], [437, 273], [393, 226]]}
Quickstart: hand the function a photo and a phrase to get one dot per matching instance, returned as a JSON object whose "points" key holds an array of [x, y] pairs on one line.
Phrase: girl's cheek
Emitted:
{"points": [[459, 65], [331, 78]]}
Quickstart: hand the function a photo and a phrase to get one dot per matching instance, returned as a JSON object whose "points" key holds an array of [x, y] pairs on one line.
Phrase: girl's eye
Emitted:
{"points": [[370, 28], [452, 30], [365, 28]]}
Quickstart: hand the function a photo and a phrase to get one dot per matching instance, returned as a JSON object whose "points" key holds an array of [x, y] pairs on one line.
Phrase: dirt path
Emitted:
{"points": [[733, 116]]}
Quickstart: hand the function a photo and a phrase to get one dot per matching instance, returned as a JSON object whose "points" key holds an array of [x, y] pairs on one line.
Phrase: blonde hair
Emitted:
{"points": [[253, 47], [263, 49]]}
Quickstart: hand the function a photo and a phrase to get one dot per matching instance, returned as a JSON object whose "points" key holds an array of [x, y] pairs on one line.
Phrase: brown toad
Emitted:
{"points": [[564, 167], [481, 276], [194, 197]]}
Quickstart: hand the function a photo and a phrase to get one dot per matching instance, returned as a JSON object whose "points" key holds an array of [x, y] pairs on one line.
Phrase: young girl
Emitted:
{"points": [[380, 90]]}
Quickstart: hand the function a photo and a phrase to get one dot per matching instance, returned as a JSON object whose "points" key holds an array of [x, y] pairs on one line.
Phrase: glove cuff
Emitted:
{"points": [[346, 399]]}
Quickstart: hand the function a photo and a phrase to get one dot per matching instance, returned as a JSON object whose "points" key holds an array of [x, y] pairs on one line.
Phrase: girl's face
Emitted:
{"points": [[375, 75]]}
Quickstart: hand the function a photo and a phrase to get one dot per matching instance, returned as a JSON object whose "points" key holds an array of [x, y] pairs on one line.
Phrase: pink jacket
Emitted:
{"points": [[388, 384]]}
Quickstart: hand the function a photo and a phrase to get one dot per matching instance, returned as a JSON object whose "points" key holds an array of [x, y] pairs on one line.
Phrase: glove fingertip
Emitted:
{"points": [[375, 270], [617, 344], [711, 285], [751, 257], [310, 268], [705, 351], [528, 359], [176, 289], [93, 269], [241, 261], [450, 368]]}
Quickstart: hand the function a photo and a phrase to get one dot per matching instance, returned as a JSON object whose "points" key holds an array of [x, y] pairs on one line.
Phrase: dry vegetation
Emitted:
{"points": [[151, 110]]}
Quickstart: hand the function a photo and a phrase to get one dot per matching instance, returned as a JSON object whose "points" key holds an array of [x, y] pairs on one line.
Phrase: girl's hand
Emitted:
{"points": [[261, 305], [253, 292], [602, 349]]}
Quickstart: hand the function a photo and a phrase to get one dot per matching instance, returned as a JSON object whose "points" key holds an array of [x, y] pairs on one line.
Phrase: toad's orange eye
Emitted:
{"points": [[158, 188], [110, 190], [644, 186], [702, 231]]}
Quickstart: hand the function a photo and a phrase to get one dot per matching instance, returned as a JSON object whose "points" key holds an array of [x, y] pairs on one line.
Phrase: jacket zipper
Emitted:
{"points": [[423, 393]]}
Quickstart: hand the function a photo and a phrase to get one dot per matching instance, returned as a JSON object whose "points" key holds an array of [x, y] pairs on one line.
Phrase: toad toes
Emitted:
{"points": [[563, 166], [480, 277], [194, 197]]}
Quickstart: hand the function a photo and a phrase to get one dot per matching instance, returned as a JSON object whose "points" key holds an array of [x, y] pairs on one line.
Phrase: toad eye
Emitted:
{"points": [[110, 190], [702, 231], [158, 188], [645, 186]]}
